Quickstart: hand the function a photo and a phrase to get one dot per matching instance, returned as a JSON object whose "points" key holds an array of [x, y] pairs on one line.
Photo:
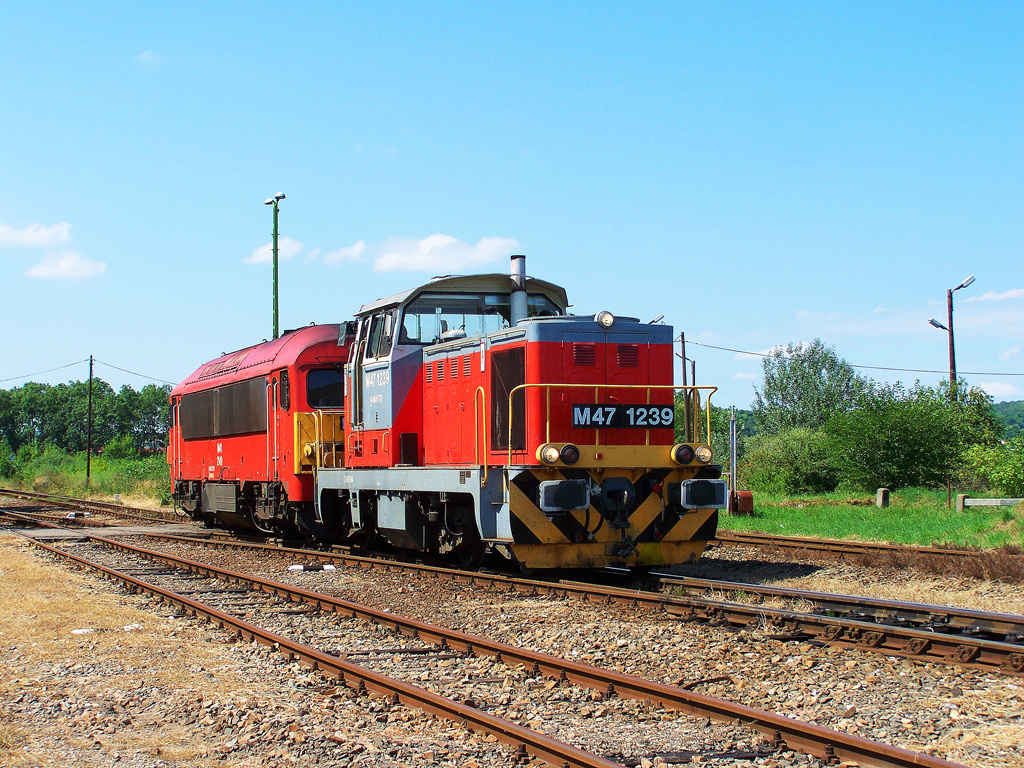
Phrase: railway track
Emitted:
{"points": [[865, 549], [226, 597], [999, 627], [926, 633], [30, 517], [137, 514]]}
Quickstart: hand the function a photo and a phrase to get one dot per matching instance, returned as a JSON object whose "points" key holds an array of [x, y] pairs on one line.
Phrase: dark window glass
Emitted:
{"points": [[432, 315], [232, 410], [284, 392], [507, 373], [242, 408], [325, 388]]}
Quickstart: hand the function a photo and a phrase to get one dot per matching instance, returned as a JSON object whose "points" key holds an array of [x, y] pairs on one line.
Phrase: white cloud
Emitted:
{"points": [[286, 249], [1013, 293], [351, 253], [65, 265], [148, 57], [744, 376], [34, 235], [1013, 351], [441, 253], [1002, 390]]}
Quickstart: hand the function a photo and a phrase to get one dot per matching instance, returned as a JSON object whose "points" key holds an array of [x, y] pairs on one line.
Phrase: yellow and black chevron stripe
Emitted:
{"points": [[650, 532]]}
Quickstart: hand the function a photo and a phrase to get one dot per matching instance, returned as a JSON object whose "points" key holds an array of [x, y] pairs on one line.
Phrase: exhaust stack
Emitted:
{"points": [[519, 311]]}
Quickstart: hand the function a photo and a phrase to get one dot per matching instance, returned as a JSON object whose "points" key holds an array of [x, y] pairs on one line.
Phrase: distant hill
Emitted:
{"points": [[1012, 414]]}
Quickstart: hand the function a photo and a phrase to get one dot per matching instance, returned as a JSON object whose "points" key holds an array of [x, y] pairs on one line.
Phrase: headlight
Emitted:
{"points": [[703, 454], [548, 454], [605, 319], [569, 454], [682, 454]]}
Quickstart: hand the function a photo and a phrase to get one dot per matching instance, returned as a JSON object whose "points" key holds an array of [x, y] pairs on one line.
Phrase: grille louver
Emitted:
{"points": [[584, 355], [628, 355]]}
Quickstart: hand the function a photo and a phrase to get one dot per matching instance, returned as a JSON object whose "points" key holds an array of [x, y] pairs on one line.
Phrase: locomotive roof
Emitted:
{"points": [[260, 358], [497, 283]]}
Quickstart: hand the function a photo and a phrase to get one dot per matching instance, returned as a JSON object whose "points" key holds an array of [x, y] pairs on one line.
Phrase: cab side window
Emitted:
{"points": [[284, 392], [382, 334]]}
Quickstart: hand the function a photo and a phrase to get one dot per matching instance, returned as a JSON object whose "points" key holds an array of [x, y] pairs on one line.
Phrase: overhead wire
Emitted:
{"points": [[50, 370], [82, 362], [133, 373], [853, 365]]}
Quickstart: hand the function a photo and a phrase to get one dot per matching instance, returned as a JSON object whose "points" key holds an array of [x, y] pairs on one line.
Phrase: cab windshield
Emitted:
{"points": [[427, 319]]}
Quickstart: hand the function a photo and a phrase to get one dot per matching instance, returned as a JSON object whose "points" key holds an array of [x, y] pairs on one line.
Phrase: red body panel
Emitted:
{"points": [[454, 425], [268, 453]]}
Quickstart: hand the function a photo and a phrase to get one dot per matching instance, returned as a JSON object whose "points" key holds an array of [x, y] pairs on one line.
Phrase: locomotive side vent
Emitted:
{"points": [[440, 370], [455, 367], [467, 366], [584, 355], [430, 372], [628, 355]]}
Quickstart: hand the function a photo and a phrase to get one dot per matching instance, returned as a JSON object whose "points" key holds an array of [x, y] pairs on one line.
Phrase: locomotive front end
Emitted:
{"points": [[594, 474]]}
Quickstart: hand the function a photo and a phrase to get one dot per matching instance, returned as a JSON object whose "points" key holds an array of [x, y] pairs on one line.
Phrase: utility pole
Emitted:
{"points": [[694, 402], [88, 432], [686, 392], [948, 327], [952, 349], [274, 202], [732, 459]]}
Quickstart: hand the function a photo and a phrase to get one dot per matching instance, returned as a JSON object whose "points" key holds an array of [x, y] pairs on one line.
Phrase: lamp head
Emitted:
{"points": [[280, 196], [965, 283], [269, 201], [935, 323]]}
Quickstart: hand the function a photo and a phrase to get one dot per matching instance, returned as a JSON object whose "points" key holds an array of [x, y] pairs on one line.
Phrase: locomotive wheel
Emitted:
{"points": [[470, 554]]}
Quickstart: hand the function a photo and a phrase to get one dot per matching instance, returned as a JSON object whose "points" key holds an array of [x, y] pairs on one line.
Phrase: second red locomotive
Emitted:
{"points": [[467, 413]]}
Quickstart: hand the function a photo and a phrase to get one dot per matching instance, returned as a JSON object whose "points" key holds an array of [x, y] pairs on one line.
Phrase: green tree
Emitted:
{"points": [[792, 461], [895, 438], [1012, 415], [804, 386], [973, 413]]}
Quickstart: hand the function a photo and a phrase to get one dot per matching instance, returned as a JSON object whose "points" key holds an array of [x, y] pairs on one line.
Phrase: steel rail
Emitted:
{"points": [[933, 618], [362, 679], [805, 737], [49, 521], [118, 510], [891, 640], [843, 546]]}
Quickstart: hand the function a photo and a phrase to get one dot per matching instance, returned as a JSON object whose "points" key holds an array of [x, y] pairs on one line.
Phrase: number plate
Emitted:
{"points": [[623, 416]]}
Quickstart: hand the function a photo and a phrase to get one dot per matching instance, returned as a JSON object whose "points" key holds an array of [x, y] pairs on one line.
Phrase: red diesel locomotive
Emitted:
{"points": [[467, 413]]}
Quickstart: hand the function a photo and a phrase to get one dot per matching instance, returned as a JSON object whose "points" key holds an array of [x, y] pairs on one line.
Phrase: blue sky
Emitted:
{"points": [[758, 173]]}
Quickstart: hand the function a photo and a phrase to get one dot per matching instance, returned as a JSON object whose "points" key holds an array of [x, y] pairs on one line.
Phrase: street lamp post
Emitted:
{"points": [[949, 327], [274, 202]]}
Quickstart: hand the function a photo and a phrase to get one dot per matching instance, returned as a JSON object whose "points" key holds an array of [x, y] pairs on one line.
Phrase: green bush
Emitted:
{"points": [[999, 468], [121, 447], [895, 438], [788, 462]]}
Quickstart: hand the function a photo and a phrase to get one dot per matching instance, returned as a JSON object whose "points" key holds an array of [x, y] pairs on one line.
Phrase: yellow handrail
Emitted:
{"points": [[695, 389], [481, 455]]}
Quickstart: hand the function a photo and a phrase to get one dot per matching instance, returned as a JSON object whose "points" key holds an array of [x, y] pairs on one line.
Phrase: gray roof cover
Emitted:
{"points": [[471, 284]]}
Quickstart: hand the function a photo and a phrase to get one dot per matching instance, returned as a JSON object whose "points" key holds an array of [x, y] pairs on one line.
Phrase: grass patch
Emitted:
{"points": [[54, 471], [914, 516]]}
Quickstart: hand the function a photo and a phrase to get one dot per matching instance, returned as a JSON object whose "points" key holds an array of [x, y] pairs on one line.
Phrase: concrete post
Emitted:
{"points": [[882, 498]]}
